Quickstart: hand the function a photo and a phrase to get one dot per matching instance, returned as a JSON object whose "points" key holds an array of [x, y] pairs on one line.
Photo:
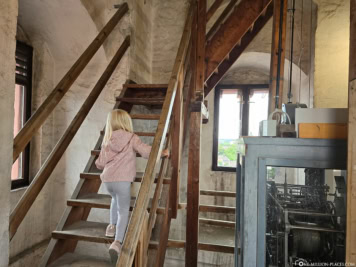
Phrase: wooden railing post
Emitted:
{"points": [[46, 108], [31, 193], [177, 141]]}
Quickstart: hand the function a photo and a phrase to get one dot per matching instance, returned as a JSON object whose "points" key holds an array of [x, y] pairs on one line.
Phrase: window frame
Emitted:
{"points": [[245, 93], [24, 51]]}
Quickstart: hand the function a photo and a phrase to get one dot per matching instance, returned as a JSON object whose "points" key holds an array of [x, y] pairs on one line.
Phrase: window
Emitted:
{"points": [[233, 119], [22, 108]]}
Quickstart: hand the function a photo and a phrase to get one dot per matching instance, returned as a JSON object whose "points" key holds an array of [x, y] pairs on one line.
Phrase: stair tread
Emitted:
{"points": [[94, 200], [79, 260], [84, 231], [148, 86], [214, 222], [141, 101], [201, 246], [145, 116], [217, 193], [218, 209]]}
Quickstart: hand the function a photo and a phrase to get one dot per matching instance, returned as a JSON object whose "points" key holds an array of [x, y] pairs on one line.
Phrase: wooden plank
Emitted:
{"points": [[218, 23], [200, 48], [236, 52], [141, 253], [85, 231], [177, 141], [230, 33], [323, 130], [141, 101], [46, 108], [216, 193], [214, 7], [136, 222], [31, 193], [217, 223], [217, 209], [145, 86], [201, 246], [351, 155], [278, 54], [145, 116], [192, 225]]}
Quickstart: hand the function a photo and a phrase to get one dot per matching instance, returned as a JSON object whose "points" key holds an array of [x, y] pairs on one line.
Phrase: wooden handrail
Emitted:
{"points": [[137, 217], [46, 108], [31, 193]]}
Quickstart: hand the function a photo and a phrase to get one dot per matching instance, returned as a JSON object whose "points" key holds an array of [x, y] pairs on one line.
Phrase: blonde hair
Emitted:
{"points": [[118, 119]]}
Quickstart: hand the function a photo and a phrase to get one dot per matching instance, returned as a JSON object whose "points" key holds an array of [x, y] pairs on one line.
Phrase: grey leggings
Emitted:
{"points": [[120, 206]]}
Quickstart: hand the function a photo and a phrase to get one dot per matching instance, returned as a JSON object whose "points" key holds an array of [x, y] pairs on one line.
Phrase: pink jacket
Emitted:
{"points": [[118, 158]]}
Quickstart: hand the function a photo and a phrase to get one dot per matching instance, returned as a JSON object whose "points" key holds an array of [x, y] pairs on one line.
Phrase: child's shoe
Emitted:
{"points": [[114, 251], [110, 230]]}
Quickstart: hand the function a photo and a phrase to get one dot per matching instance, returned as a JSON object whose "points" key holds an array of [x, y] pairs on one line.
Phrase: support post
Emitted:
{"points": [[193, 190], [351, 157], [278, 54]]}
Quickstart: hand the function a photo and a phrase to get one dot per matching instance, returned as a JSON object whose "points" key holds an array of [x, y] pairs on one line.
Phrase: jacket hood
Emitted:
{"points": [[120, 138]]}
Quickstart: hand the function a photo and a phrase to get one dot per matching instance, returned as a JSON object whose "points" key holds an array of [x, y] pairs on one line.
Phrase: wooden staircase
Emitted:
{"points": [[205, 60], [74, 225]]}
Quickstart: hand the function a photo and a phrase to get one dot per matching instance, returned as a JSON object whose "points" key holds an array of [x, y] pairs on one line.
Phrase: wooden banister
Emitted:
{"points": [[46, 108], [30, 195], [137, 217]]}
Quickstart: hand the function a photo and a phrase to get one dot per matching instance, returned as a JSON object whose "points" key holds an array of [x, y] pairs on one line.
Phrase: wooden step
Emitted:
{"points": [[74, 259], [94, 200], [97, 152], [84, 231], [217, 193], [211, 208], [145, 86], [145, 116], [138, 179], [217, 209], [217, 222], [141, 101], [201, 246]]}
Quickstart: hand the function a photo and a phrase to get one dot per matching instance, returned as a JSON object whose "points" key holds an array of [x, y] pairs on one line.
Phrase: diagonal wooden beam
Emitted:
{"points": [[213, 9], [236, 52], [230, 33]]}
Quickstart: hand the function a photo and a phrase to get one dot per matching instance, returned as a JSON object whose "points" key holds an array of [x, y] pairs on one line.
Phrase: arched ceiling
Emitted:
{"points": [[65, 26]]}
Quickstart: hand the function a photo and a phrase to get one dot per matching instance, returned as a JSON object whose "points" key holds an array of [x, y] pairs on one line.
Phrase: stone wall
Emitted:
{"points": [[8, 20], [332, 54]]}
